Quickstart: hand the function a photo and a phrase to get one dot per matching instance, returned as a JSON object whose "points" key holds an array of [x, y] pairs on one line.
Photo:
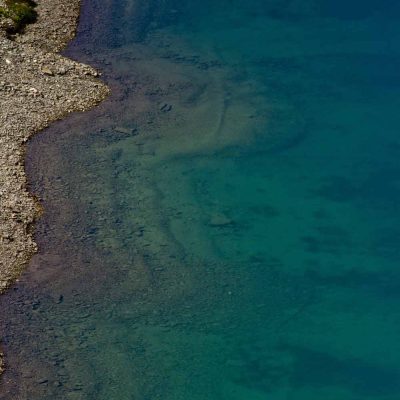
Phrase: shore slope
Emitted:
{"points": [[37, 86]]}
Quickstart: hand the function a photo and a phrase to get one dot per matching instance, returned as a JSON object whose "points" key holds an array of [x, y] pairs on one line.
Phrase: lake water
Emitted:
{"points": [[226, 225]]}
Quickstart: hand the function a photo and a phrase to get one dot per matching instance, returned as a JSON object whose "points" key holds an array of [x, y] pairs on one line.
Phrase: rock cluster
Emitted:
{"points": [[37, 86]]}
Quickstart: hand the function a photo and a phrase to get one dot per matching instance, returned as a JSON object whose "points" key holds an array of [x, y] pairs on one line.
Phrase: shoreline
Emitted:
{"points": [[37, 87]]}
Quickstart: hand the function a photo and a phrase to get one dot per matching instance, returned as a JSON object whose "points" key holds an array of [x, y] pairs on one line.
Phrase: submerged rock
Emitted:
{"points": [[220, 220], [166, 107], [126, 131]]}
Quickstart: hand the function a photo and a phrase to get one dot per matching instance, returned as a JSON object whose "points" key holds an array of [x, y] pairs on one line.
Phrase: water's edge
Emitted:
{"points": [[225, 225], [78, 91]]}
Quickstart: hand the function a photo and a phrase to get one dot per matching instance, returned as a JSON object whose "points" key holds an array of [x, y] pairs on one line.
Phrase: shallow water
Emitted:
{"points": [[226, 224]]}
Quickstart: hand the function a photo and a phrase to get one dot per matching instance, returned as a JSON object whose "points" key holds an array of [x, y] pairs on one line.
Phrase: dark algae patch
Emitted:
{"points": [[225, 225]]}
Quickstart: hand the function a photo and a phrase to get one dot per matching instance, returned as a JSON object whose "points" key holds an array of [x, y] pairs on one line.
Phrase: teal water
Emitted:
{"points": [[226, 225]]}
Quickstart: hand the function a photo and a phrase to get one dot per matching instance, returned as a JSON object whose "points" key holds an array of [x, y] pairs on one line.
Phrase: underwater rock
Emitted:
{"points": [[126, 131], [220, 220], [166, 107]]}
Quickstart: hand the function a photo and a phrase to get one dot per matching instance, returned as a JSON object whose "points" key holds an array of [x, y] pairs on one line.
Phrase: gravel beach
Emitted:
{"points": [[37, 86]]}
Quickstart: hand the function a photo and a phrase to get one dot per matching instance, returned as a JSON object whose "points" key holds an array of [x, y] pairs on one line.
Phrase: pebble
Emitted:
{"points": [[47, 71]]}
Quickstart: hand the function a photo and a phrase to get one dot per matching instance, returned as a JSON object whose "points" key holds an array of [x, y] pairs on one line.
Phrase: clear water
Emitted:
{"points": [[238, 238]]}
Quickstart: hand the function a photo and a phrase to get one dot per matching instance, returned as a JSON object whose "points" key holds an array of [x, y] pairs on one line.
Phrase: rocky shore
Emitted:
{"points": [[37, 86]]}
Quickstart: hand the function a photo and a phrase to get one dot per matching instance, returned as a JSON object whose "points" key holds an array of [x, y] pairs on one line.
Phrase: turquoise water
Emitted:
{"points": [[226, 224]]}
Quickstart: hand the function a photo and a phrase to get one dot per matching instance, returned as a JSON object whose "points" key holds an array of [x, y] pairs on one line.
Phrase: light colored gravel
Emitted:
{"points": [[37, 86]]}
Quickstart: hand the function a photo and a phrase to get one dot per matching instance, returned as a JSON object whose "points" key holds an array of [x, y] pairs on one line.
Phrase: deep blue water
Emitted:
{"points": [[238, 238]]}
